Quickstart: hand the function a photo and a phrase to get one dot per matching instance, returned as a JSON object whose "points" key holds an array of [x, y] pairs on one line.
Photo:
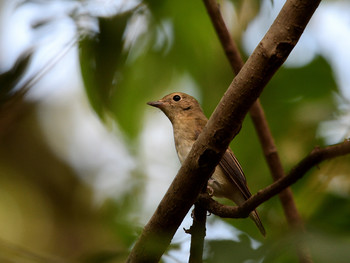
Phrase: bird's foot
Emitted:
{"points": [[210, 191]]}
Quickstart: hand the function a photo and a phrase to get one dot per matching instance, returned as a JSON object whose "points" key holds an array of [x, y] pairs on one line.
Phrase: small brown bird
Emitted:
{"points": [[188, 121]]}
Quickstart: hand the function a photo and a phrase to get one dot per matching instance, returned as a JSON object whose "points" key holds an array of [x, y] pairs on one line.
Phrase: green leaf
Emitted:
{"points": [[101, 57], [231, 251]]}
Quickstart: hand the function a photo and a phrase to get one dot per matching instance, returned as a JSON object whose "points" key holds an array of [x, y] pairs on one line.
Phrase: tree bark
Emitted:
{"points": [[221, 128]]}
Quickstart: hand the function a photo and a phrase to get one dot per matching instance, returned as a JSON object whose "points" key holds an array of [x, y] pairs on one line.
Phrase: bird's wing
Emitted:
{"points": [[234, 172]]}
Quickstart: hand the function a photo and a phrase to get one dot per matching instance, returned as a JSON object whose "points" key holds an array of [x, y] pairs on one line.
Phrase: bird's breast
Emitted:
{"points": [[183, 147], [186, 131]]}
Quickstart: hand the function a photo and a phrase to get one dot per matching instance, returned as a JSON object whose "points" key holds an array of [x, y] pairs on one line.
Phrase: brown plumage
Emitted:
{"points": [[188, 121]]}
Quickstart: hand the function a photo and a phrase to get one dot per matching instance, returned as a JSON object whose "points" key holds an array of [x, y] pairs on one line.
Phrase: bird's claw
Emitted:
{"points": [[210, 191]]}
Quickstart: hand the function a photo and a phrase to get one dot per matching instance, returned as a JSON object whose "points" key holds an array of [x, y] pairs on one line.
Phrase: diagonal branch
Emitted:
{"points": [[261, 125], [256, 112], [317, 156], [221, 128], [231, 50]]}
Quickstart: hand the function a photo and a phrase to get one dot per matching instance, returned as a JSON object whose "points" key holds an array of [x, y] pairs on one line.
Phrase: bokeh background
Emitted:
{"points": [[84, 161]]}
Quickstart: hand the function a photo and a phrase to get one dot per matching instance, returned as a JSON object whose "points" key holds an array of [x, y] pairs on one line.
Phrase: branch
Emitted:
{"points": [[231, 50], [286, 196], [221, 128], [256, 112], [314, 158], [261, 126], [197, 232]]}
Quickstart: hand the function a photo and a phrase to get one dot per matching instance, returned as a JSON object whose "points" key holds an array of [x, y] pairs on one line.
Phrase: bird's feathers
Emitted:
{"points": [[234, 172]]}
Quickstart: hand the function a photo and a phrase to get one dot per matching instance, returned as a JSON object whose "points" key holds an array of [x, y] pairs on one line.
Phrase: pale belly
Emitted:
{"points": [[183, 150]]}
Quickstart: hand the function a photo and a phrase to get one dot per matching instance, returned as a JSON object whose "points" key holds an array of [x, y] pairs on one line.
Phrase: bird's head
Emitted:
{"points": [[177, 105]]}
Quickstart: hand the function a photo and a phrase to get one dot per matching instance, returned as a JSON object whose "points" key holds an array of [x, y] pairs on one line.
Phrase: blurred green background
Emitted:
{"points": [[84, 161]]}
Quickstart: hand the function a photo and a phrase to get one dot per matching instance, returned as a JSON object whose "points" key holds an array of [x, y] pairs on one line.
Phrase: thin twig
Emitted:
{"points": [[197, 232], [314, 158]]}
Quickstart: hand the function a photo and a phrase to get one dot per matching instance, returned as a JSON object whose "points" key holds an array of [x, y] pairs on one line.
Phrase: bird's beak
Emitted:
{"points": [[156, 104]]}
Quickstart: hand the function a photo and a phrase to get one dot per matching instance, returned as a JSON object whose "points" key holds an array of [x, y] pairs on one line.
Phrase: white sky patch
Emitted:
{"points": [[327, 34], [18, 34], [331, 29], [301, 55], [15, 38], [109, 7]]}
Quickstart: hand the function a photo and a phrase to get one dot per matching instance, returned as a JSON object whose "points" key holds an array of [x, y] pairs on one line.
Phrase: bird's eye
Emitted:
{"points": [[176, 98]]}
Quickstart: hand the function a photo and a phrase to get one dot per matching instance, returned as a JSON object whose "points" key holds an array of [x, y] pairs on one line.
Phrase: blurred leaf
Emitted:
{"points": [[327, 247], [172, 47], [10, 252], [324, 247], [246, 11], [282, 247], [42, 199], [292, 89], [105, 257], [231, 251], [10, 78], [333, 214], [99, 59]]}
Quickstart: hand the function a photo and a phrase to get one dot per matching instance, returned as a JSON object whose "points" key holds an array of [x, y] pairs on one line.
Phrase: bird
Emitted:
{"points": [[188, 120]]}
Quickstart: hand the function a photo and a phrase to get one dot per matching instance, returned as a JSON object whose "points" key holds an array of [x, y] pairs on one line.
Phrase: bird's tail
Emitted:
{"points": [[254, 215]]}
